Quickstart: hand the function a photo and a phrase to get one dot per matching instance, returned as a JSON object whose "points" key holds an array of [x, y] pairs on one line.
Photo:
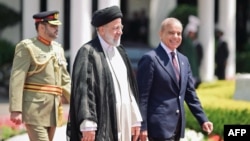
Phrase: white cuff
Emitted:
{"points": [[88, 125]]}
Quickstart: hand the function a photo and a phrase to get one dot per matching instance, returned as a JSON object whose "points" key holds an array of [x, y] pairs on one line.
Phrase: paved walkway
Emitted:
{"points": [[60, 134]]}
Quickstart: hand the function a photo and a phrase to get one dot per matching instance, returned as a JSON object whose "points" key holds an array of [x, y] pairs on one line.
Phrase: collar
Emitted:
{"points": [[168, 51], [44, 41], [106, 47]]}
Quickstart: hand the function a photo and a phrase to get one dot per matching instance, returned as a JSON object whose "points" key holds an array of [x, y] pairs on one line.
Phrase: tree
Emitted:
{"points": [[182, 13]]}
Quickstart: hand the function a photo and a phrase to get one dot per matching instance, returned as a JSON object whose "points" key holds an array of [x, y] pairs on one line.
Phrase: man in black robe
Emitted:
{"points": [[93, 106]]}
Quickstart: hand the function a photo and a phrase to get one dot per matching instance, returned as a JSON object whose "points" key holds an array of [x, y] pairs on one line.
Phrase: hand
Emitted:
{"points": [[16, 117], [88, 136], [144, 135], [135, 133], [207, 127]]}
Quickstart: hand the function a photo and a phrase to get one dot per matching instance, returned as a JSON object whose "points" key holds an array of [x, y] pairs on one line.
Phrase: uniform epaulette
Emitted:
{"points": [[56, 43], [39, 65], [28, 41]]}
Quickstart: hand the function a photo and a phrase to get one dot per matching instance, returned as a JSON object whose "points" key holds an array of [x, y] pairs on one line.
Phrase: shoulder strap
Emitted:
{"points": [[28, 43], [29, 46]]}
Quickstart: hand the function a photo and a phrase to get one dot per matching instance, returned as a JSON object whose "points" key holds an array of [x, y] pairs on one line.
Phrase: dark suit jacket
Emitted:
{"points": [[161, 98]]}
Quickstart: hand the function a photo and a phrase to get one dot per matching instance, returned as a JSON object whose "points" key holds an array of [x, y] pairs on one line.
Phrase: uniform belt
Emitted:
{"points": [[43, 88]]}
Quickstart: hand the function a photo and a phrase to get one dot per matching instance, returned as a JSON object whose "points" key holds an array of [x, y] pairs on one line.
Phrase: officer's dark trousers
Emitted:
{"points": [[175, 137]]}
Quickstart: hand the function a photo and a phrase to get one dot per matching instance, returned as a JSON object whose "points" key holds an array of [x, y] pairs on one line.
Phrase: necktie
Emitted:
{"points": [[175, 64]]}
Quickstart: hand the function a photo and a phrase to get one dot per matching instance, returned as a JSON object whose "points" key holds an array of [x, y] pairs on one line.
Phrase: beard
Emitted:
{"points": [[111, 40], [53, 34]]}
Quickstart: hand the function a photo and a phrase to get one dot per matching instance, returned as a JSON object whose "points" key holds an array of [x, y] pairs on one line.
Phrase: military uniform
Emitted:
{"points": [[39, 79]]}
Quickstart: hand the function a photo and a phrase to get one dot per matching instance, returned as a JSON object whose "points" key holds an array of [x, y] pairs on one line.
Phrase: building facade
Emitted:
{"points": [[76, 29]]}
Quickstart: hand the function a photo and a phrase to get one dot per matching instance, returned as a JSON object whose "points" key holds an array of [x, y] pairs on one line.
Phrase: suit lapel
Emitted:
{"points": [[182, 66], [164, 61]]}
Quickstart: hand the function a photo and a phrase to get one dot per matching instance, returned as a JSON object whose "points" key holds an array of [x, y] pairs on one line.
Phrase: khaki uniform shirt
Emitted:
{"points": [[43, 65]]}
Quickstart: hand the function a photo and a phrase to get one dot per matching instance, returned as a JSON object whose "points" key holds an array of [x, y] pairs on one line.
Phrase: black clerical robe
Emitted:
{"points": [[92, 93]]}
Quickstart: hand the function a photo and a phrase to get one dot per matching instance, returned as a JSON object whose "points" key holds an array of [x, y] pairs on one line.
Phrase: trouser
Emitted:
{"points": [[40, 133], [175, 137], [220, 71]]}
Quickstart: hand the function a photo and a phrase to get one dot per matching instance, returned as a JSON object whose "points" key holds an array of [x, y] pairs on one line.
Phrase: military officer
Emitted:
{"points": [[39, 79]]}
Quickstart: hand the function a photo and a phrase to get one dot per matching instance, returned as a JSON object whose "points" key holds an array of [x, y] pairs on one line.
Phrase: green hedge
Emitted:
{"points": [[220, 107]]}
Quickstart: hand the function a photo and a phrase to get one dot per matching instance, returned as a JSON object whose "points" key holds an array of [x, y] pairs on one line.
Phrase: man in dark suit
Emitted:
{"points": [[221, 55], [165, 82]]}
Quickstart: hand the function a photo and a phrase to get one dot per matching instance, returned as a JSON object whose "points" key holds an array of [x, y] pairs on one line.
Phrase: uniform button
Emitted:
{"points": [[177, 111], [179, 97]]}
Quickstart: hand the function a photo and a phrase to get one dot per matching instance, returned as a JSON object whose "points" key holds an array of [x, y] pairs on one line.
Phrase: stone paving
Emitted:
{"points": [[60, 134]]}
